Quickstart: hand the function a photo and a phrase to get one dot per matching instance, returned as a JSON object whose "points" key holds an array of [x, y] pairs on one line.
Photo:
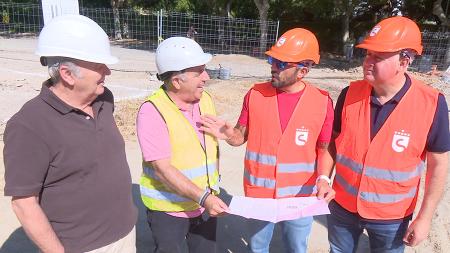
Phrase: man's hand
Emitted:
{"points": [[417, 231], [217, 127], [215, 206], [437, 166], [324, 191]]}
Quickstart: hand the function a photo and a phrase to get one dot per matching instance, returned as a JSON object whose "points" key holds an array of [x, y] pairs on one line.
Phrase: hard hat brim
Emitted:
{"points": [[205, 59], [384, 48], [108, 60], [199, 61], [278, 56], [377, 48], [286, 58]]}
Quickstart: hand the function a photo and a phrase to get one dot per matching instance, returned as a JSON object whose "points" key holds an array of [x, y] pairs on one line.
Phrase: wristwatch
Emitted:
{"points": [[326, 178]]}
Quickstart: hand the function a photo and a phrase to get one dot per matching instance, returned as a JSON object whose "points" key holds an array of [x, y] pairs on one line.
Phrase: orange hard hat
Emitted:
{"points": [[296, 45], [392, 35]]}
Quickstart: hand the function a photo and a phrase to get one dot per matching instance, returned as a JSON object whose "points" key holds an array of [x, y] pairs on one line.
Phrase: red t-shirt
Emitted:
{"points": [[286, 106]]}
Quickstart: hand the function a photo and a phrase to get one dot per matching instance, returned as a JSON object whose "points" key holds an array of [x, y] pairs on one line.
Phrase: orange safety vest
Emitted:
{"points": [[379, 179], [282, 164]]}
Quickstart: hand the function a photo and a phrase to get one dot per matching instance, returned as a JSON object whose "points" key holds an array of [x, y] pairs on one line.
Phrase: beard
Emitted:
{"points": [[277, 83]]}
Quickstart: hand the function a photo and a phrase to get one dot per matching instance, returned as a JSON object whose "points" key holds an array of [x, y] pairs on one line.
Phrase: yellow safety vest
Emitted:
{"points": [[195, 162]]}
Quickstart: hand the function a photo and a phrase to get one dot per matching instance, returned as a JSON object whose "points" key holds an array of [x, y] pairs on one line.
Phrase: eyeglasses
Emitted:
{"points": [[407, 54], [281, 65]]}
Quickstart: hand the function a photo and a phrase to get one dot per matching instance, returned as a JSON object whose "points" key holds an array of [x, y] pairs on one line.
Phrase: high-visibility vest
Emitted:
{"points": [[187, 155], [282, 164], [379, 179]]}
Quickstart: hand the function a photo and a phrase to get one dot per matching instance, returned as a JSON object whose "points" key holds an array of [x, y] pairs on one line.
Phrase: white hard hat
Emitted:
{"points": [[178, 53], [77, 37]]}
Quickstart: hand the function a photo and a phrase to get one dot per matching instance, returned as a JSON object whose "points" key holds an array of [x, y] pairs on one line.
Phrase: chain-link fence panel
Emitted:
{"points": [[436, 52], [143, 29]]}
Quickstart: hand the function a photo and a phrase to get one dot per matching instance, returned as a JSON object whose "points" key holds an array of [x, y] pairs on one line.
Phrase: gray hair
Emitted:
{"points": [[54, 63], [166, 77]]}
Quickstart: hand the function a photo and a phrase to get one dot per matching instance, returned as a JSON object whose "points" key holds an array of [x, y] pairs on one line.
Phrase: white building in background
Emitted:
{"points": [[55, 8]]}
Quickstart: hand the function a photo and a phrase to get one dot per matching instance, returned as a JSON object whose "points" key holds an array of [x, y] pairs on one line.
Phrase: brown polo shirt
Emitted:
{"points": [[77, 166]]}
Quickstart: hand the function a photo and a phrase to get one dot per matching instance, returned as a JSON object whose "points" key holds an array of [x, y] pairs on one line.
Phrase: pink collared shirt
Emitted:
{"points": [[153, 138]]}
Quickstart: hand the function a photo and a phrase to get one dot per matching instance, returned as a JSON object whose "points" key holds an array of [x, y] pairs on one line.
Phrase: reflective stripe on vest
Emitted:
{"points": [[380, 173], [192, 174], [187, 155], [282, 167], [283, 191], [282, 163], [296, 167], [258, 181], [378, 178], [296, 190], [162, 195], [374, 197], [167, 196], [261, 158]]}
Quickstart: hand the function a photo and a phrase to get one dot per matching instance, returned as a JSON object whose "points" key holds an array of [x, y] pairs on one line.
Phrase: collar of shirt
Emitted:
{"points": [[54, 101], [185, 107], [396, 98]]}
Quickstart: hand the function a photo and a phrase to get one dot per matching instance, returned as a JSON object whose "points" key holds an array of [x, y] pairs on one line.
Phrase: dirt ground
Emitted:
{"points": [[133, 79]]}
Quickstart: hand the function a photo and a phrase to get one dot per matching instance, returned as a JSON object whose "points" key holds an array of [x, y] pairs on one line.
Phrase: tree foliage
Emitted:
{"points": [[286, 10], [333, 21]]}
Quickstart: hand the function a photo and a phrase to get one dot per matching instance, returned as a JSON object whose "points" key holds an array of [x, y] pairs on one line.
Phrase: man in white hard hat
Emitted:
{"points": [[65, 164], [180, 163]]}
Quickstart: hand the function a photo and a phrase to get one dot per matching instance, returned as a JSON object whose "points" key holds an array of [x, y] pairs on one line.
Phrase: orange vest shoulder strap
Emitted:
{"points": [[264, 88], [424, 87], [356, 91], [313, 87]]}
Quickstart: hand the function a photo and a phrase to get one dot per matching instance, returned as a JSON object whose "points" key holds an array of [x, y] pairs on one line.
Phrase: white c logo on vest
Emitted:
{"points": [[400, 141], [301, 136]]}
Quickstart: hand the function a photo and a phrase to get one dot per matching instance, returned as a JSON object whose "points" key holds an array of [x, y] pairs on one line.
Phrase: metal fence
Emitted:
{"points": [[436, 51], [142, 29]]}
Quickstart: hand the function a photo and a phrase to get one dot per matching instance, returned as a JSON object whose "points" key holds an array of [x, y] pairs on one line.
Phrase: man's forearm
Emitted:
{"points": [[176, 181], [324, 167], [179, 183], [36, 225], [325, 161]]}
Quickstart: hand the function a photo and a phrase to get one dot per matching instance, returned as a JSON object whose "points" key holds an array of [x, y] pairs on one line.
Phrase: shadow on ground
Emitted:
{"points": [[18, 242], [232, 233]]}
